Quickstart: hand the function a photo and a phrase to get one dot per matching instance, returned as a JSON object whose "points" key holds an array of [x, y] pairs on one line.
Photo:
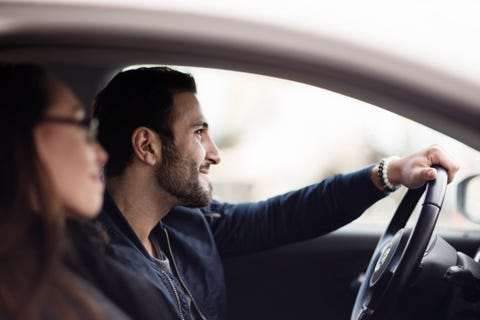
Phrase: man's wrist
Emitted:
{"points": [[387, 174]]}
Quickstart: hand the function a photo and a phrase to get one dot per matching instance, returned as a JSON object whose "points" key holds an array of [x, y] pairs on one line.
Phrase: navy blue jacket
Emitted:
{"points": [[87, 258], [196, 239]]}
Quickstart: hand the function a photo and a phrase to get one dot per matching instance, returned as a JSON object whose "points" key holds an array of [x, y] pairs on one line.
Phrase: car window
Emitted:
{"points": [[277, 135]]}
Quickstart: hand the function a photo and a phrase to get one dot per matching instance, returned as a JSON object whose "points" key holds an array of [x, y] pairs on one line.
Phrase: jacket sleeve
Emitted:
{"points": [[298, 215]]}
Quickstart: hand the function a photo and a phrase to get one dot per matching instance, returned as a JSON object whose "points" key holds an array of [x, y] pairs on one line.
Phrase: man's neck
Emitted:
{"points": [[142, 205]]}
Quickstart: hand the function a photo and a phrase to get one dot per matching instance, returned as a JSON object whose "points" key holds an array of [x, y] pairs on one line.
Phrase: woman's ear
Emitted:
{"points": [[146, 145]]}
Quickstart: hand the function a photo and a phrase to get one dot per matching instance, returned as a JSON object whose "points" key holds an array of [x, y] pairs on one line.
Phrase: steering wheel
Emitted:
{"points": [[399, 251]]}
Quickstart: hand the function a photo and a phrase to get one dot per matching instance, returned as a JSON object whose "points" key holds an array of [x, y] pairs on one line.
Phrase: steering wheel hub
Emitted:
{"points": [[389, 258]]}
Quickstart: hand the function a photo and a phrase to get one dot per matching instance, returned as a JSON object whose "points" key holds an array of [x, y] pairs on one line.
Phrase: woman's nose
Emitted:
{"points": [[102, 155]]}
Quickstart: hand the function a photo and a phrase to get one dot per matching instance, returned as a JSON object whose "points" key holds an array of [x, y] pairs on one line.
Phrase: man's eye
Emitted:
{"points": [[199, 131]]}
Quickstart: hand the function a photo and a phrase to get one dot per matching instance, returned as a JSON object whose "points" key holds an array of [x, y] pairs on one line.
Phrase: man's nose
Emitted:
{"points": [[213, 154]]}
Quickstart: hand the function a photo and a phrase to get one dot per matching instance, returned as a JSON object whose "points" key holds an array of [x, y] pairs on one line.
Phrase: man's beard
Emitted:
{"points": [[180, 177]]}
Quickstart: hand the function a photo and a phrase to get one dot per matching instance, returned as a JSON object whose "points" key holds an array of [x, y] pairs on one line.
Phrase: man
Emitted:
{"points": [[160, 152]]}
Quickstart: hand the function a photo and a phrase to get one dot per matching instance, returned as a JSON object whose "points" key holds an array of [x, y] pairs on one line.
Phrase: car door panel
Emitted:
{"points": [[315, 279]]}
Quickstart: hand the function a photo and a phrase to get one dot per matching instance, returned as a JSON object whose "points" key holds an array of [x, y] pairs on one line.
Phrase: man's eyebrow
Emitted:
{"points": [[201, 124]]}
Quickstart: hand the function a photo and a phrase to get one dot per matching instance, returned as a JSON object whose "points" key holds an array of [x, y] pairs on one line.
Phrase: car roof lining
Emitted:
{"points": [[85, 58]]}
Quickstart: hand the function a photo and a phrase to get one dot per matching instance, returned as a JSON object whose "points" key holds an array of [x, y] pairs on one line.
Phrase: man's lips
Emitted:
{"points": [[204, 168]]}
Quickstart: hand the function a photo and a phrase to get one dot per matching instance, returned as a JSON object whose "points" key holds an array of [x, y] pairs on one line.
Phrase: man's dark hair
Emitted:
{"points": [[134, 98]]}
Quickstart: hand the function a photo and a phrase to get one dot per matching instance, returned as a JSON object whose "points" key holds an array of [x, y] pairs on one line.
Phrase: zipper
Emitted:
{"points": [[180, 277], [175, 292]]}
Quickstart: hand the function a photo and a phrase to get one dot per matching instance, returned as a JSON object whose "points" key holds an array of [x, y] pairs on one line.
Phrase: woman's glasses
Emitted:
{"points": [[88, 124]]}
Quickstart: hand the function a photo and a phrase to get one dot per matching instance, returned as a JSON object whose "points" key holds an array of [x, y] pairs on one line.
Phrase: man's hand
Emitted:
{"points": [[414, 170]]}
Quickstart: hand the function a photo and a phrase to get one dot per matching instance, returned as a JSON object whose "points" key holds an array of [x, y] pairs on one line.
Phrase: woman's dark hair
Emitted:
{"points": [[134, 98], [34, 284]]}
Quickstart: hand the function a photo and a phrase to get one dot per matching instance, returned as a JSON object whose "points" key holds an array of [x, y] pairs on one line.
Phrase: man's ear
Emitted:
{"points": [[146, 145]]}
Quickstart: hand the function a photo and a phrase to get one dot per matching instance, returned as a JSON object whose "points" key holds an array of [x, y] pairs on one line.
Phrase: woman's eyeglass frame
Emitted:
{"points": [[88, 124]]}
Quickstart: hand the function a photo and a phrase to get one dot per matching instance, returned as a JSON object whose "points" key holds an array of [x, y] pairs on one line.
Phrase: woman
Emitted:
{"points": [[52, 264]]}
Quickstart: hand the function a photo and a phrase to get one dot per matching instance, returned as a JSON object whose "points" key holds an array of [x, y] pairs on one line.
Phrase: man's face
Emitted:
{"points": [[183, 170]]}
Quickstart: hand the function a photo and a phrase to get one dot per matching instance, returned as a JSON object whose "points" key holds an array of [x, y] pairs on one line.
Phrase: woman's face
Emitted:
{"points": [[73, 158]]}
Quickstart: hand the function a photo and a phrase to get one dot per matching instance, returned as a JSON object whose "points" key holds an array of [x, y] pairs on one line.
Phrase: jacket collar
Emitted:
{"points": [[117, 226]]}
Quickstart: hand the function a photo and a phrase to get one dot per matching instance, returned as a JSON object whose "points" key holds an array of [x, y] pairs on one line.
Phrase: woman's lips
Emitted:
{"points": [[96, 177]]}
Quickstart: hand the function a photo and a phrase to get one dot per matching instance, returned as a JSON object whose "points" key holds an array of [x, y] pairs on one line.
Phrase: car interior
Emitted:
{"points": [[328, 273], [414, 255]]}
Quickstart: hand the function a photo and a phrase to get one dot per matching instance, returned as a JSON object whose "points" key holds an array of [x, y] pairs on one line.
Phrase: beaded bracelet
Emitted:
{"points": [[382, 174]]}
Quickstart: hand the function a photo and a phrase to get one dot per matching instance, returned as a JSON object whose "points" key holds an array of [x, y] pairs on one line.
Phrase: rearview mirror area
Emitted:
{"points": [[468, 198]]}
